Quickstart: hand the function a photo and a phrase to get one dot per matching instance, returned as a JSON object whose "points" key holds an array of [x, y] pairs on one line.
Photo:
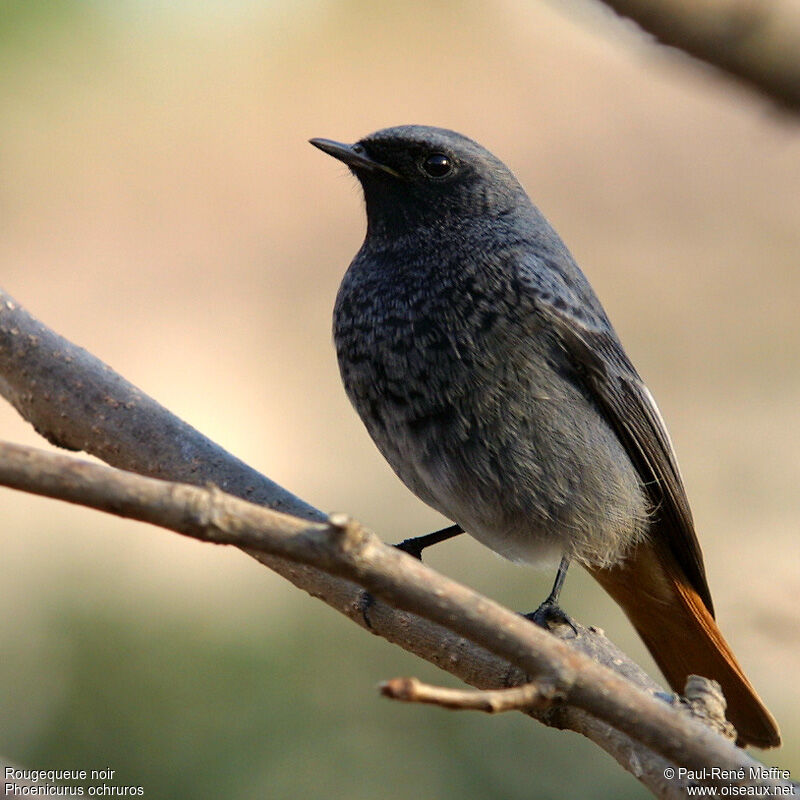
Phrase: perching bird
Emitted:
{"points": [[488, 375]]}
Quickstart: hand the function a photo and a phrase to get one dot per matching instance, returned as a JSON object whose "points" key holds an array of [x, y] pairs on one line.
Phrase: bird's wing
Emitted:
{"points": [[630, 409]]}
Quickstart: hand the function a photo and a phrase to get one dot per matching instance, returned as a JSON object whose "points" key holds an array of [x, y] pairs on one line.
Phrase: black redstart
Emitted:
{"points": [[488, 375]]}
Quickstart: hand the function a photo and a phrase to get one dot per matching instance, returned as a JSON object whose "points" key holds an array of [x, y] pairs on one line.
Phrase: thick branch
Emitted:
{"points": [[758, 42], [76, 401]]}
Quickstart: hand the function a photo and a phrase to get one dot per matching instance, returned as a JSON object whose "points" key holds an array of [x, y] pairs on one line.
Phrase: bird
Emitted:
{"points": [[490, 378]]}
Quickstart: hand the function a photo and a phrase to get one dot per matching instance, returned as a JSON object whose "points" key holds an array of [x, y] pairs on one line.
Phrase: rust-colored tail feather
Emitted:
{"points": [[683, 637]]}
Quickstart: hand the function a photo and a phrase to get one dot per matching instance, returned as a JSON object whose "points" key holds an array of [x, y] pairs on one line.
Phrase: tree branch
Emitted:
{"points": [[75, 400], [757, 42]]}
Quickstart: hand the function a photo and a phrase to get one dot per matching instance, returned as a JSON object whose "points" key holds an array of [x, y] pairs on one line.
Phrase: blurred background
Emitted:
{"points": [[159, 205]]}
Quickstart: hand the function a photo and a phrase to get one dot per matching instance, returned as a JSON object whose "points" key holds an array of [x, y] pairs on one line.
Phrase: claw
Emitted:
{"points": [[550, 615]]}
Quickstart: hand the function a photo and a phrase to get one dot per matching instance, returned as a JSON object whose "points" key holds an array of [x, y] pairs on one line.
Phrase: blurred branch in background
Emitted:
{"points": [[77, 402], [755, 41]]}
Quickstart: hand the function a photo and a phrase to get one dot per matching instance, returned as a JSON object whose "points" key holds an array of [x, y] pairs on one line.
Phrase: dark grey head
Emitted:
{"points": [[418, 176]]}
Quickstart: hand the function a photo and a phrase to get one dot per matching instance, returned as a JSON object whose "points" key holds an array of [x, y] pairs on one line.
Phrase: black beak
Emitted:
{"points": [[353, 155]]}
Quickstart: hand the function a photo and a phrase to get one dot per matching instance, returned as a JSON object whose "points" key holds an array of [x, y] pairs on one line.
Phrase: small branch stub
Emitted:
{"points": [[339, 521], [346, 534]]}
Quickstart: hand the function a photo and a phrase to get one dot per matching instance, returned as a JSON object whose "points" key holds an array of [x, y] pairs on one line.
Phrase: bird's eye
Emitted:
{"points": [[437, 165]]}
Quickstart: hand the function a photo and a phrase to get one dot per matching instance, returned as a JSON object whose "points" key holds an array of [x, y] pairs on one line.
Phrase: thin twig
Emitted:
{"points": [[517, 698]]}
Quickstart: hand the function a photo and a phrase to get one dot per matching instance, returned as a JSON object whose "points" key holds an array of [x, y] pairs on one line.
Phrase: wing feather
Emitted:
{"points": [[629, 407]]}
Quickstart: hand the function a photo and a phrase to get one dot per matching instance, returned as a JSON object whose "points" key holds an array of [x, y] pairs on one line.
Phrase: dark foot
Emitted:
{"points": [[412, 546], [550, 615], [417, 544]]}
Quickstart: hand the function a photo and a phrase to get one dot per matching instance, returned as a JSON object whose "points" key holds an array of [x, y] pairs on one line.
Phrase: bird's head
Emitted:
{"points": [[415, 176]]}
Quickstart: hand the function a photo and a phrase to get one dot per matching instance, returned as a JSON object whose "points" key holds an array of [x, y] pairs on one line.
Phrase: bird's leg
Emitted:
{"points": [[416, 544], [549, 612], [414, 547]]}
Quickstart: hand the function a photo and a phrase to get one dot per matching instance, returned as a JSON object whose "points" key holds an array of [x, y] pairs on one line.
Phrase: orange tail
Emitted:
{"points": [[682, 636]]}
